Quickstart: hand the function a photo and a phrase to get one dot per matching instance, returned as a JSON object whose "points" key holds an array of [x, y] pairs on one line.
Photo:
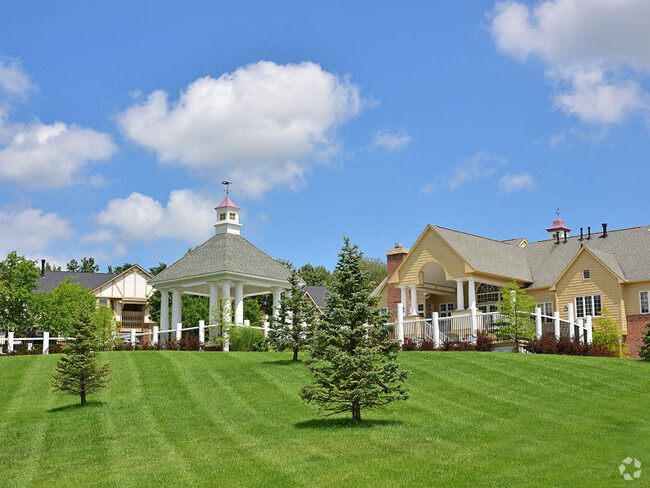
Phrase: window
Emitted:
{"points": [[586, 274], [430, 309], [222, 216], [487, 308], [644, 296], [547, 309], [233, 216], [588, 305], [384, 310], [421, 309], [446, 309], [487, 293]]}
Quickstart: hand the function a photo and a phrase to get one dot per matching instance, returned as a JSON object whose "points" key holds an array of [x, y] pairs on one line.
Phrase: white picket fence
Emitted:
{"points": [[155, 335], [465, 327]]}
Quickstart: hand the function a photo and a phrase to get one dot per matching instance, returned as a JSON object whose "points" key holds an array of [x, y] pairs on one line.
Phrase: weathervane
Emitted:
{"points": [[557, 212], [227, 185]]}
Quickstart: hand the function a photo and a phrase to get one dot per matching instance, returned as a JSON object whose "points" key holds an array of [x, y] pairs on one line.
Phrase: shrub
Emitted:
{"points": [[262, 345], [456, 345], [607, 334], [548, 344], [243, 338], [484, 341]]}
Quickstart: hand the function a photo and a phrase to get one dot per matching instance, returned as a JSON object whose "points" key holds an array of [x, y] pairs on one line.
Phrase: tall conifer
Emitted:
{"points": [[354, 363]]}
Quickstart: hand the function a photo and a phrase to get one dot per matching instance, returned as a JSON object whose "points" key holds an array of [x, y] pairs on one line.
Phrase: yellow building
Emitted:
{"points": [[448, 271]]}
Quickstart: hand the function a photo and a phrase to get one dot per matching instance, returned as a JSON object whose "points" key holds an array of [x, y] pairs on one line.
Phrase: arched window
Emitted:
{"points": [[487, 293]]}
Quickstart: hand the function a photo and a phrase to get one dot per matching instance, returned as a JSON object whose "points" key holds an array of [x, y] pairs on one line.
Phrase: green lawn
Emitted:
{"points": [[235, 419]]}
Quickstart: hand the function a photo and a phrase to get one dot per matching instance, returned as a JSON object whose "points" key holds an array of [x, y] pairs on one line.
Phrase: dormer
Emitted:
{"points": [[227, 218]]}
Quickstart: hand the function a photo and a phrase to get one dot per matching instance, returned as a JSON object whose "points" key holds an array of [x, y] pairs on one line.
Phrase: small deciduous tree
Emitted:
{"points": [[19, 278], [58, 306], [516, 308], [644, 350], [607, 334], [78, 371], [292, 326], [106, 327], [354, 363]]}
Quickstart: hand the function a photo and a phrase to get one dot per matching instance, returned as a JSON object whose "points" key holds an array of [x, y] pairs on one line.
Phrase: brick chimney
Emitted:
{"points": [[394, 258]]}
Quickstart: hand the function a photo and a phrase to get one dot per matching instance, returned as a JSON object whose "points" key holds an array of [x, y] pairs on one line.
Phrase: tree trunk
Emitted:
{"points": [[82, 393], [356, 411], [295, 354]]}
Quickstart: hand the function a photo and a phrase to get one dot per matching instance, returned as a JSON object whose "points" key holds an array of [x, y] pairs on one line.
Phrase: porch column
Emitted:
{"points": [[214, 303], [471, 288], [225, 295], [276, 300], [414, 301], [164, 313], [177, 313], [460, 298], [404, 299], [239, 303]]}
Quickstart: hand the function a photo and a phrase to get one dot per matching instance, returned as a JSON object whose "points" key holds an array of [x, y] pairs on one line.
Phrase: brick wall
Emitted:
{"points": [[394, 258], [635, 330]]}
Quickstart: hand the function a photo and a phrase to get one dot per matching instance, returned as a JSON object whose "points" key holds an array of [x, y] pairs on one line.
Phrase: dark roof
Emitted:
{"points": [[223, 253], [51, 279], [625, 251], [317, 293]]}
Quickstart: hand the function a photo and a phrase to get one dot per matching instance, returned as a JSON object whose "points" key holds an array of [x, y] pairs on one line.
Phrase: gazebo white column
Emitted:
{"points": [[225, 295], [460, 298], [471, 288], [164, 313], [177, 312], [214, 302], [239, 303], [276, 300], [414, 301]]}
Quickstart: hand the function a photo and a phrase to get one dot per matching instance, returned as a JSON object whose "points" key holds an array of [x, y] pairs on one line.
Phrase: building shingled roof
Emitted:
{"points": [[224, 253], [626, 252], [317, 293], [52, 279]]}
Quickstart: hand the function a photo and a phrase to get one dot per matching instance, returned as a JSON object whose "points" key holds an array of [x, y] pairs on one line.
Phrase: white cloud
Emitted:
{"points": [[481, 165], [392, 141], [13, 80], [187, 217], [262, 125], [30, 231], [510, 183], [594, 50], [51, 155]]}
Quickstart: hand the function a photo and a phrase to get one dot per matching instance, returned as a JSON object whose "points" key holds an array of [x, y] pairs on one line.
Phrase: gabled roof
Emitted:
{"points": [[224, 253], [52, 279], [606, 259], [488, 255], [317, 294], [116, 277]]}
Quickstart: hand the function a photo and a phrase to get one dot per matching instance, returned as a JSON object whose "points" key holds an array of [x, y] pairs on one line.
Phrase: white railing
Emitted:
{"points": [[466, 327], [154, 336]]}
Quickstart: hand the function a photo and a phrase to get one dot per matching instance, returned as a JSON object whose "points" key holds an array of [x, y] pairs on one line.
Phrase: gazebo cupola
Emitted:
{"points": [[227, 217]]}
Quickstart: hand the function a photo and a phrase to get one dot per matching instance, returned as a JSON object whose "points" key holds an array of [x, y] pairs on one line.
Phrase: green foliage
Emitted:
{"points": [[644, 351], [253, 312], [119, 269], [607, 334], [51, 267], [354, 362], [154, 270], [195, 308], [58, 306], [517, 307], [73, 265], [219, 333], [244, 338], [295, 318], [375, 269], [315, 275], [19, 277], [106, 327], [88, 265], [78, 372]]}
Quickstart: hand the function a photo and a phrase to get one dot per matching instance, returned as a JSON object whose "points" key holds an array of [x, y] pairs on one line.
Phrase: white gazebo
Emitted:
{"points": [[224, 266]]}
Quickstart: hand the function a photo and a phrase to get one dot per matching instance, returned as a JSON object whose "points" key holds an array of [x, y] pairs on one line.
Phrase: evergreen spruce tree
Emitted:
{"points": [[291, 329], [78, 372], [353, 360]]}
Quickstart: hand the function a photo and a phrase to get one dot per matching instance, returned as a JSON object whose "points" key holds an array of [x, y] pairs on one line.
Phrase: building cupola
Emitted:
{"points": [[227, 217], [558, 226]]}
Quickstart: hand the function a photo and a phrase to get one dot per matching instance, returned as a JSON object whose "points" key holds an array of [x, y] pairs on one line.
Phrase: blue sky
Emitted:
{"points": [[119, 120]]}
